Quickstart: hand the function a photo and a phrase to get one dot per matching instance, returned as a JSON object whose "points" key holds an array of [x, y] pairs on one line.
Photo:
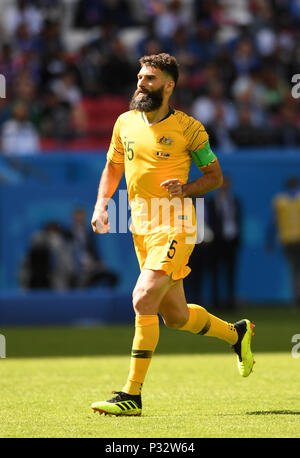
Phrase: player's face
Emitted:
{"points": [[150, 91]]}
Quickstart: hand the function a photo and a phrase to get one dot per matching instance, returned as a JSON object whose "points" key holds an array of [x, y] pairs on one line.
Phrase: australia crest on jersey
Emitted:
{"points": [[166, 141]]}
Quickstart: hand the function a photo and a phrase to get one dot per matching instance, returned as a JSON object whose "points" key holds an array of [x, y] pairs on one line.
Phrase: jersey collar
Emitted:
{"points": [[171, 111]]}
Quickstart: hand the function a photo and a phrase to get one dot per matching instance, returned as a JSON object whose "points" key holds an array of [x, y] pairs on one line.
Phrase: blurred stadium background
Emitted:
{"points": [[70, 69]]}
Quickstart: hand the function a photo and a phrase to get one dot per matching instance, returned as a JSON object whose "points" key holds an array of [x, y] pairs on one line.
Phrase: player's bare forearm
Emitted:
{"points": [[110, 179], [212, 179]]}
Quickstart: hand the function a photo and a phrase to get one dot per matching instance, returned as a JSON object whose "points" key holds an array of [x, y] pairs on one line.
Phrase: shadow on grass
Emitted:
{"points": [[274, 412], [273, 333]]}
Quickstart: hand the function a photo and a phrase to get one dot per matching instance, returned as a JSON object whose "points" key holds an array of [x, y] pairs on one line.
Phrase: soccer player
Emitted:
{"points": [[155, 144]]}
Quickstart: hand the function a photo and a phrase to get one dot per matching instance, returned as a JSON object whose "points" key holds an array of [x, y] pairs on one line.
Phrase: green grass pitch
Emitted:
{"points": [[193, 389]]}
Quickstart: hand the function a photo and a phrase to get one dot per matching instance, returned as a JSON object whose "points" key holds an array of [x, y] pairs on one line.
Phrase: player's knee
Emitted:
{"points": [[143, 301]]}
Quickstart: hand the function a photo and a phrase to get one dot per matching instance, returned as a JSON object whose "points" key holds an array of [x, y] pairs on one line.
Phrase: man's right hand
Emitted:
{"points": [[100, 222]]}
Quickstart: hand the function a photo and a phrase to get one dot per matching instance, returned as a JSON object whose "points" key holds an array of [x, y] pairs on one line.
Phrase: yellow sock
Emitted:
{"points": [[144, 344], [222, 330], [198, 320], [202, 322]]}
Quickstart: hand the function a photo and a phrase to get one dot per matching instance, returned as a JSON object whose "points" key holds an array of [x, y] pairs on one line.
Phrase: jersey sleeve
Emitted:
{"points": [[194, 133], [198, 142], [115, 152]]}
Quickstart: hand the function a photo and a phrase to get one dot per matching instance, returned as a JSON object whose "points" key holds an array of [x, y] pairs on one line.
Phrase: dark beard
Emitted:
{"points": [[151, 101]]}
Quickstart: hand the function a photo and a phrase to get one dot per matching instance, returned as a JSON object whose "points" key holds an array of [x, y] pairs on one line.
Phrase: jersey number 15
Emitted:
{"points": [[129, 151]]}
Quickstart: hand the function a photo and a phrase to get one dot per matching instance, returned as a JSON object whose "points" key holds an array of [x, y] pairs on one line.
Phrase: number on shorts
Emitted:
{"points": [[172, 249]]}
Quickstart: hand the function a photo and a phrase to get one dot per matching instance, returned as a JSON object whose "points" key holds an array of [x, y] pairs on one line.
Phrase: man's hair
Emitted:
{"points": [[164, 62]]}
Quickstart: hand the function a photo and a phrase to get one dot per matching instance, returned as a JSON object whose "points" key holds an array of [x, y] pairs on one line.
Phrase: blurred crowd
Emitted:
{"points": [[64, 258], [237, 59]]}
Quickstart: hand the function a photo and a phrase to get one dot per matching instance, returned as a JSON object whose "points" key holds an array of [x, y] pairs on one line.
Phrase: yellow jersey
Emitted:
{"points": [[287, 210], [154, 153]]}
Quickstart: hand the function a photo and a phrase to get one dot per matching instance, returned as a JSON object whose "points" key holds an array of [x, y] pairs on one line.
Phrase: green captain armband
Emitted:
{"points": [[203, 156]]}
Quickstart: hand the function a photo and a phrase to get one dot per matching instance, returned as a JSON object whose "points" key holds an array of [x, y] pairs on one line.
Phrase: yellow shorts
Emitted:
{"points": [[166, 250]]}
